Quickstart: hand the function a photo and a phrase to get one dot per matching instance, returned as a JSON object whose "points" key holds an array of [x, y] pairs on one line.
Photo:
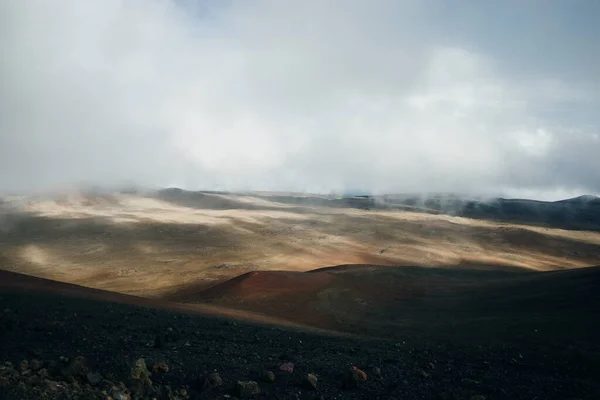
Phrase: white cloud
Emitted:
{"points": [[278, 95]]}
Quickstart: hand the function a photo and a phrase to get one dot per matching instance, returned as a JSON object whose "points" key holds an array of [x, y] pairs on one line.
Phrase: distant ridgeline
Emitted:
{"points": [[580, 213]]}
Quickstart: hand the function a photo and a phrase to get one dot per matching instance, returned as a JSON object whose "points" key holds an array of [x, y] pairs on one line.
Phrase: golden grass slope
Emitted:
{"points": [[152, 246]]}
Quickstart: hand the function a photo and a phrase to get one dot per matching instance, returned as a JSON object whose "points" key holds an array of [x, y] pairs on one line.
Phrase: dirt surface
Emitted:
{"points": [[112, 336]]}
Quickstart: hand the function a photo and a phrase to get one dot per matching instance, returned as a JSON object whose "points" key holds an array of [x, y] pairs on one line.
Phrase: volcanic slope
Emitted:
{"points": [[51, 322], [383, 301]]}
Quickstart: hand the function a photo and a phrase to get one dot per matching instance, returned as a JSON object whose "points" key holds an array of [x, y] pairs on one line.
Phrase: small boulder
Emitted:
{"points": [[43, 373], [354, 377], [35, 365], [287, 367], [54, 386], [119, 394], [182, 394], [478, 397], [246, 388], [24, 366], [139, 371], [7, 369], [269, 376], [94, 378], [377, 372], [311, 381], [160, 368], [75, 387], [212, 381], [139, 378], [75, 368]]}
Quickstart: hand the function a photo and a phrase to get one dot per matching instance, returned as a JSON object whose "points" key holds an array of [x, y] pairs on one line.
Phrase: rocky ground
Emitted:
{"points": [[54, 347]]}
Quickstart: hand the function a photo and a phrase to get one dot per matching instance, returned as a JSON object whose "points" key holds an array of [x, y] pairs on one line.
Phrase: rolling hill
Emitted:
{"points": [[382, 301]]}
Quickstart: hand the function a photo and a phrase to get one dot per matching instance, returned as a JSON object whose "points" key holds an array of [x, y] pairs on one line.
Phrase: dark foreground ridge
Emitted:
{"points": [[69, 347]]}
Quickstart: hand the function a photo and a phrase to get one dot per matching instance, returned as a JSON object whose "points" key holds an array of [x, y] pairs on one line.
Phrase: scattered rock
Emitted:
{"points": [[75, 368], [23, 366], [75, 387], [55, 386], [94, 378], [118, 394], [287, 367], [139, 377], [34, 380], [43, 373], [246, 388], [182, 394], [212, 381], [311, 381], [478, 397], [269, 376], [377, 372], [354, 377], [35, 365], [160, 368]]}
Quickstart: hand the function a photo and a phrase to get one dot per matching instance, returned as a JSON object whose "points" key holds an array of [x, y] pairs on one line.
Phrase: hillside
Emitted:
{"points": [[58, 328], [376, 301], [152, 244]]}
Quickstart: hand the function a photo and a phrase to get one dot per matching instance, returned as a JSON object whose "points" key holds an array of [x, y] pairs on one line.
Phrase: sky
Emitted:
{"points": [[381, 96]]}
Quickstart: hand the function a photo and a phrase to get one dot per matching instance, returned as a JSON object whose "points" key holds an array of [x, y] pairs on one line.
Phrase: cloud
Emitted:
{"points": [[308, 96]]}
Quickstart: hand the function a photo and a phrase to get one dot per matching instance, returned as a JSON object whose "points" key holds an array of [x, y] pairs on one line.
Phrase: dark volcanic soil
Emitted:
{"points": [[112, 336]]}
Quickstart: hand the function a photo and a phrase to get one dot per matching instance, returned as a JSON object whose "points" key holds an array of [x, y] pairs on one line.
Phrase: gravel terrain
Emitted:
{"points": [[51, 331]]}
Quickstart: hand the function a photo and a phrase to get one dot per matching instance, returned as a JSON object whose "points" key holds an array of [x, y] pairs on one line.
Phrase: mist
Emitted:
{"points": [[310, 96]]}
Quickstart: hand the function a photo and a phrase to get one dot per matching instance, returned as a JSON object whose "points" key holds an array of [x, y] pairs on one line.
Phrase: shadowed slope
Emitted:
{"points": [[11, 282], [111, 337], [375, 300], [287, 295], [262, 285]]}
